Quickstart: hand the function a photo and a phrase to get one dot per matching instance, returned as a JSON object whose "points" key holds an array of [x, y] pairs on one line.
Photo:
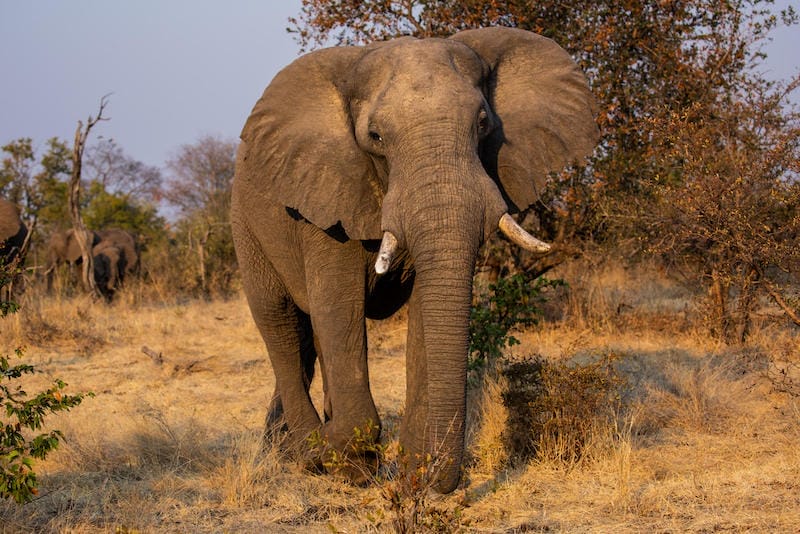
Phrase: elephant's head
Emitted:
{"points": [[425, 145], [128, 245], [108, 261]]}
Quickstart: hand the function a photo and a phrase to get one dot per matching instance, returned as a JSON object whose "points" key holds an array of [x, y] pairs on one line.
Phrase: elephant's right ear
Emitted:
{"points": [[299, 149]]}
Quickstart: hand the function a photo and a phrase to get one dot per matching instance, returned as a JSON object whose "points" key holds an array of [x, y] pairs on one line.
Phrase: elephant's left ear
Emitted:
{"points": [[544, 105]]}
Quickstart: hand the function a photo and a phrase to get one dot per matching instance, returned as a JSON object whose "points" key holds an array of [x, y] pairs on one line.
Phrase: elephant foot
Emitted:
{"points": [[275, 427], [359, 469], [355, 459]]}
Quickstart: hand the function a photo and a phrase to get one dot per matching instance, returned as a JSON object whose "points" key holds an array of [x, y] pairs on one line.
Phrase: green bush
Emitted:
{"points": [[509, 303], [554, 409], [21, 413]]}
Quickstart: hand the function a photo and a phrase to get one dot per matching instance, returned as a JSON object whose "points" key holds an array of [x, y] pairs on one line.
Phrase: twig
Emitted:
{"points": [[779, 300], [157, 357]]}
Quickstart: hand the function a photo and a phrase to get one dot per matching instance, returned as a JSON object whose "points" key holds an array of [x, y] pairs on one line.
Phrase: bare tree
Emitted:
{"points": [[201, 177], [199, 185], [108, 165], [81, 233]]}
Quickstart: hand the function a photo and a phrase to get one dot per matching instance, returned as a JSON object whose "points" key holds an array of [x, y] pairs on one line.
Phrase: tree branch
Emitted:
{"points": [[82, 235], [779, 300]]}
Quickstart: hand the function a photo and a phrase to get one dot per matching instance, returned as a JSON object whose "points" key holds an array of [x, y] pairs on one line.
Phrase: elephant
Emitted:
{"points": [[129, 245], [368, 177], [63, 248], [12, 233], [110, 263]]}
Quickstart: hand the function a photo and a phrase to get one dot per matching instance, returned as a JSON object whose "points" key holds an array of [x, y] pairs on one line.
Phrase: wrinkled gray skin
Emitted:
{"points": [[63, 247], [109, 263], [432, 140], [12, 232]]}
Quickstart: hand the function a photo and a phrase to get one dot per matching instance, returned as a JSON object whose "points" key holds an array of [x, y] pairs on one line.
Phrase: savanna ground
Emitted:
{"points": [[702, 437]]}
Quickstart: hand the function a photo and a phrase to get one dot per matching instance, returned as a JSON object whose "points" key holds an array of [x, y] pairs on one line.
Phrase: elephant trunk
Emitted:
{"points": [[113, 277], [440, 207], [444, 302], [442, 226]]}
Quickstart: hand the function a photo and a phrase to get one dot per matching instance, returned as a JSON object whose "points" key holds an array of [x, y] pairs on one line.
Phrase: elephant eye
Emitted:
{"points": [[375, 136], [483, 122]]}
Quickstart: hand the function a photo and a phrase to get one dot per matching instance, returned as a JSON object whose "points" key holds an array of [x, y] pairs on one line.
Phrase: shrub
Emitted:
{"points": [[20, 413], [407, 500], [728, 207], [555, 408], [511, 302], [405, 481]]}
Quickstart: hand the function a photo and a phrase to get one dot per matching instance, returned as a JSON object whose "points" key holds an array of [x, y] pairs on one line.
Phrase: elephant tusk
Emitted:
{"points": [[386, 253], [518, 235]]}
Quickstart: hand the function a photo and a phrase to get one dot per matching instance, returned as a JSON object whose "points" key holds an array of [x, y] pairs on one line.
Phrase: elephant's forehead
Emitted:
{"points": [[419, 60]]}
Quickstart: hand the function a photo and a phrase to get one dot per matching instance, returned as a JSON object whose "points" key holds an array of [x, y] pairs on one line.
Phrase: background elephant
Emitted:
{"points": [[128, 245], [370, 176], [12, 244], [12, 232], [62, 248], [109, 267]]}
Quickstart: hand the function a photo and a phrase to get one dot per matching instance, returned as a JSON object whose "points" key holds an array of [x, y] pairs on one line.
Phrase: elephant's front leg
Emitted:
{"points": [[336, 291]]}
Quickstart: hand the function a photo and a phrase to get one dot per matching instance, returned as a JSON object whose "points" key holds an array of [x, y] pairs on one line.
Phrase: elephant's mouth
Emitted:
{"points": [[507, 225]]}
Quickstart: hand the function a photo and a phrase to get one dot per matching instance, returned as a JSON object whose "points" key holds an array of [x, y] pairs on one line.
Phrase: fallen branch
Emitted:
{"points": [[157, 357]]}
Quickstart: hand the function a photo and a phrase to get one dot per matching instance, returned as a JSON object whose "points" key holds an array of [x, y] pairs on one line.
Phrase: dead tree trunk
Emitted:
{"points": [[720, 322], [82, 235], [200, 246]]}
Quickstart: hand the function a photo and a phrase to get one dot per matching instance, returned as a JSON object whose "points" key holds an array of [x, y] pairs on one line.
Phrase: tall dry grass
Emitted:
{"points": [[702, 437]]}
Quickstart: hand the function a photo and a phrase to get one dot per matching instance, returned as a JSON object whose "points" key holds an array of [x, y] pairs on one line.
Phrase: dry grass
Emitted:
{"points": [[704, 443]]}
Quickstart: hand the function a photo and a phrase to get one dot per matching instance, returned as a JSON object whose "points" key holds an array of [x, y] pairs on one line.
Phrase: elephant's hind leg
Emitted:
{"points": [[287, 334], [275, 424]]}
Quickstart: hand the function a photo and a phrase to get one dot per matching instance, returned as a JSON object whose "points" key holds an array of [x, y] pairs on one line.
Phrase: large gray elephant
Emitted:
{"points": [[369, 176], [63, 248], [12, 232]]}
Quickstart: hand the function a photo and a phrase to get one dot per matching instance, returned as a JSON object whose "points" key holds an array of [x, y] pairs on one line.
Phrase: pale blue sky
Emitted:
{"points": [[178, 69]]}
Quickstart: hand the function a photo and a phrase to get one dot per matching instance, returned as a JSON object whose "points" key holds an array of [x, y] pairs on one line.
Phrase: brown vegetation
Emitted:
{"points": [[685, 435]]}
